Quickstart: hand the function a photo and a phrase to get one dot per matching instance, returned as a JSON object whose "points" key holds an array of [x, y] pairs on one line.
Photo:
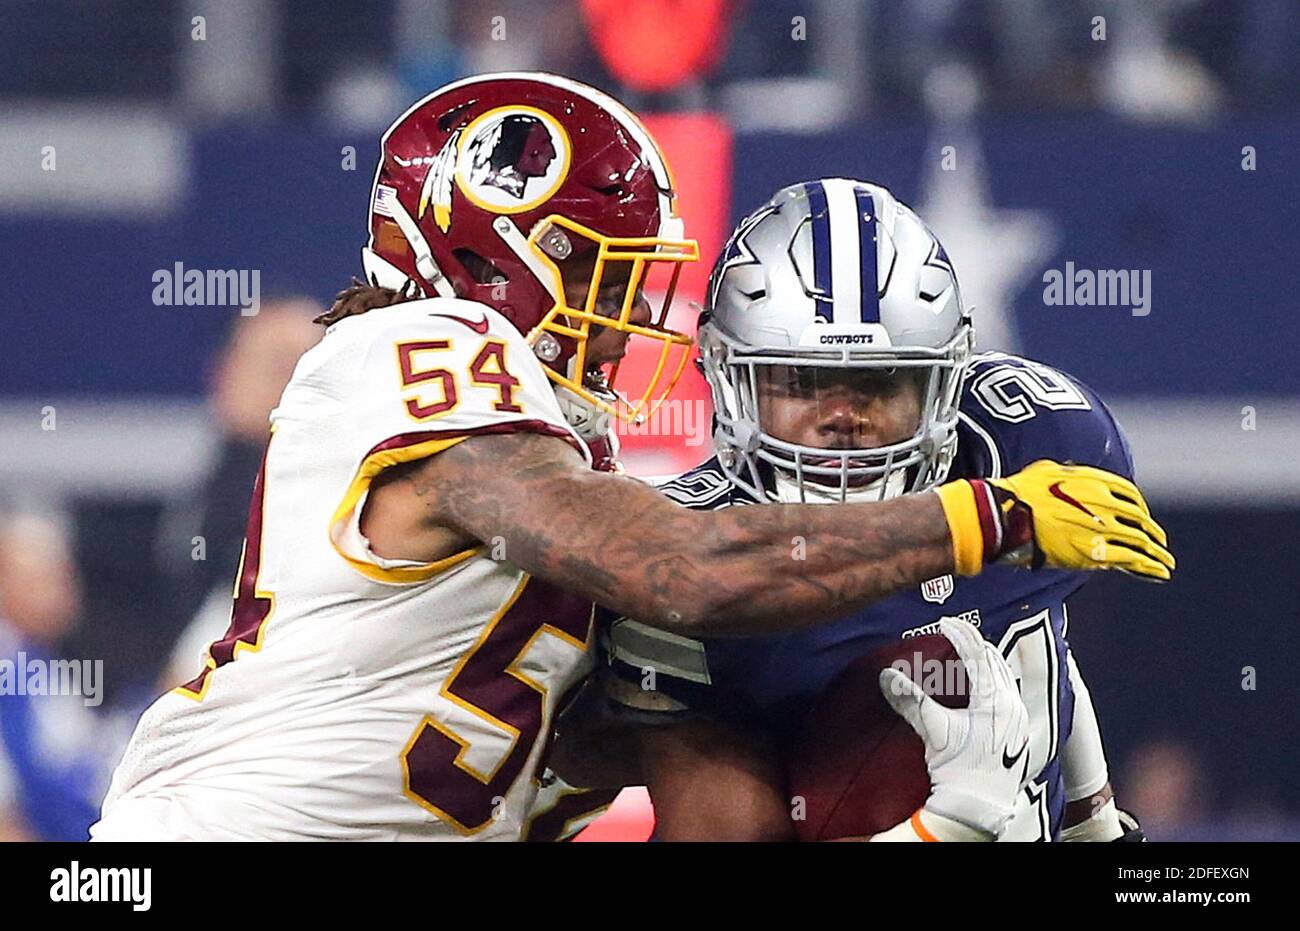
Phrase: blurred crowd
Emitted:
{"points": [[356, 61]]}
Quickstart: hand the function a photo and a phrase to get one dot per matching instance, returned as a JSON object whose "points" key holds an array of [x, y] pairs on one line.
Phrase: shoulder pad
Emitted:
{"points": [[1014, 411]]}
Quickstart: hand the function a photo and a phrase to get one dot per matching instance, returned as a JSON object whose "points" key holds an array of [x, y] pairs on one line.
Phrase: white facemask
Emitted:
{"points": [[786, 490]]}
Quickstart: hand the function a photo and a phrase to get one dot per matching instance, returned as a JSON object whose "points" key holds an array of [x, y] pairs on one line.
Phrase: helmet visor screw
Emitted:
{"points": [[547, 348], [555, 244]]}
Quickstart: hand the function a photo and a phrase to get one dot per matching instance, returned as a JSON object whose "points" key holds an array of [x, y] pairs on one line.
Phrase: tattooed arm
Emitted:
{"points": [[618, 541]]}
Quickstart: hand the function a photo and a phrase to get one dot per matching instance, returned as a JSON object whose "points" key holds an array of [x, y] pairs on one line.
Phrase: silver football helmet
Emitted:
{"points": [[829, 276]]}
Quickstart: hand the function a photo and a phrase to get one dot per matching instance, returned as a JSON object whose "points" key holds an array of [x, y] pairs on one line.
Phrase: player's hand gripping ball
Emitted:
{"points": [[897, 730]]}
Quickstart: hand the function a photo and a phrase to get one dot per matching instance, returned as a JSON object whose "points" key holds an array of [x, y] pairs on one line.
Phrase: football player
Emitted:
{"points": [[427, 535], [839, 353]]}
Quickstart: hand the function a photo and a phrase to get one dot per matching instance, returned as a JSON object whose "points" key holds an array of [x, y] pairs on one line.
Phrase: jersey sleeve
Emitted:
{"points": [[428, 377], [1083, 761], [1015, 411]]}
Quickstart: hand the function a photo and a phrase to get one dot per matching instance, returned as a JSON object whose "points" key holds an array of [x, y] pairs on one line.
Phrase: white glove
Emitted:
{"points": [[978, 755]]}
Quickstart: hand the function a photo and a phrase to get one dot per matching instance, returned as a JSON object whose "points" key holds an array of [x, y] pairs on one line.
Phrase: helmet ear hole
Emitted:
{"points": [[481, 270]]}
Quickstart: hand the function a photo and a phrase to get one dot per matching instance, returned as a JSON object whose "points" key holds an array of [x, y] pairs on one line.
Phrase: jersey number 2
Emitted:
{"points": [[1013, 392]]}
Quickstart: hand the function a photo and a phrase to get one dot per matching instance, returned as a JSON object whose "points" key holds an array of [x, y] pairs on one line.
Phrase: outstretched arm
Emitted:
{"points": [[743, 570], [747, 570]]}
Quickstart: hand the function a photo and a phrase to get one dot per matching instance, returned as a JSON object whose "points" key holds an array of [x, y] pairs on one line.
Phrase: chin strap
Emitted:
{"points": [[586, 419]]}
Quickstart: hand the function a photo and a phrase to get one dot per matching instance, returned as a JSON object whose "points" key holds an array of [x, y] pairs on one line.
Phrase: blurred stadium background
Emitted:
{"points": [[241, 134]]}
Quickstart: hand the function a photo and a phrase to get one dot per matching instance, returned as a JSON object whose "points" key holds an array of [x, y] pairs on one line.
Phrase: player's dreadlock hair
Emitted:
{"points": [[360, 296]]}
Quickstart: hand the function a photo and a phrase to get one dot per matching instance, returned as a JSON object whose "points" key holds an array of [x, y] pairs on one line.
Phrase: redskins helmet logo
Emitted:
{"points": [[507, 160], [517, 150]]}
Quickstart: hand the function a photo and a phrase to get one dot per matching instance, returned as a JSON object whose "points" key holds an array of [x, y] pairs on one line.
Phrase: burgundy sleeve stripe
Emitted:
{"points": [[403, 440], [990, 521]]}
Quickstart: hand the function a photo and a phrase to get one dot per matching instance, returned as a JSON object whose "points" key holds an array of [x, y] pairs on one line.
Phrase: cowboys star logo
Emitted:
{"points": [[737, 251]]}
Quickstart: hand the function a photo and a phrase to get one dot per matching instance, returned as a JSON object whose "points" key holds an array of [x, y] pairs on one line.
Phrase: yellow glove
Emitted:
{"points": [[1065, 516]]}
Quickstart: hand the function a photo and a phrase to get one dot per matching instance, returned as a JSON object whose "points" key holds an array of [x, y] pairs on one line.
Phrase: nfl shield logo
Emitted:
{"points": [[937, 590]]}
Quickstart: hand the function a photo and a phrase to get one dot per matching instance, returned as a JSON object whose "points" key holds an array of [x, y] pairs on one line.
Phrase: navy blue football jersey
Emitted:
{"points": [[1013, 411]]}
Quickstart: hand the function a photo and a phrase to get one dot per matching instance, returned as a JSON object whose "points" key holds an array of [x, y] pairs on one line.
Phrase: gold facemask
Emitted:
{"points": [[620, 262]]}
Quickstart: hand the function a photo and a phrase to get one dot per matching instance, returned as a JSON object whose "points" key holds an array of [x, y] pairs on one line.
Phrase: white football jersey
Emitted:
{"points": [[357, 697]]}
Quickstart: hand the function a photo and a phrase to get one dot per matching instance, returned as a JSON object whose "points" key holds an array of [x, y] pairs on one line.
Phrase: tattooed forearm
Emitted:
{"points": [[735, 572]]}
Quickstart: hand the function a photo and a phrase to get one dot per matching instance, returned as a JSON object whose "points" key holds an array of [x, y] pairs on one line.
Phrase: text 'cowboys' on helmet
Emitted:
{"points": [[834, 285], [548, 201]]}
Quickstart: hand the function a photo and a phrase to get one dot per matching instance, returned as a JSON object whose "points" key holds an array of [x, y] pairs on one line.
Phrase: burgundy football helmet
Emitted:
{"points": [[495, 188]]}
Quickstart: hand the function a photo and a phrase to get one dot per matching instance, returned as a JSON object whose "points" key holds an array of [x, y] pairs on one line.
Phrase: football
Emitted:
{"points": [[858, 767]]}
